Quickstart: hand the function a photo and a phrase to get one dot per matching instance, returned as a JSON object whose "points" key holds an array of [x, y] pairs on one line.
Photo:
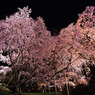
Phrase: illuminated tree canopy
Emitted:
{"points": [[36, 56]]}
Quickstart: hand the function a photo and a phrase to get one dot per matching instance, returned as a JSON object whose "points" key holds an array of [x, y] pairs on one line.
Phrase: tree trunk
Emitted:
{"points": [[17, 88], [55, 85], [45, 88], [49, 88], [66, 83]]}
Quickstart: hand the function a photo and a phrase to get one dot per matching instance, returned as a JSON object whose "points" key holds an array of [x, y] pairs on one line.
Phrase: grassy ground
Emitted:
{"points": [[52, 93], [7, 93]]}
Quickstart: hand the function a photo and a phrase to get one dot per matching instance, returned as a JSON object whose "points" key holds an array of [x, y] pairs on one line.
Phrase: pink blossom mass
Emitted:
{"points": [[34, 55]]}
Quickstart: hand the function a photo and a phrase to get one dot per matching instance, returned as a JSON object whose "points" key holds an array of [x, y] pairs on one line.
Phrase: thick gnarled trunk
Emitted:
{"points": [[18, 89]]}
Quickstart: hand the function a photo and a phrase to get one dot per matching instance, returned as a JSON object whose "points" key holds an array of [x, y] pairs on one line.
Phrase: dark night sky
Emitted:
{"points": [[56, 13]]}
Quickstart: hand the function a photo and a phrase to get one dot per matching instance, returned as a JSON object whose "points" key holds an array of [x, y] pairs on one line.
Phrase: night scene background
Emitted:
{"points": [[53, 54], [56, 13]]}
